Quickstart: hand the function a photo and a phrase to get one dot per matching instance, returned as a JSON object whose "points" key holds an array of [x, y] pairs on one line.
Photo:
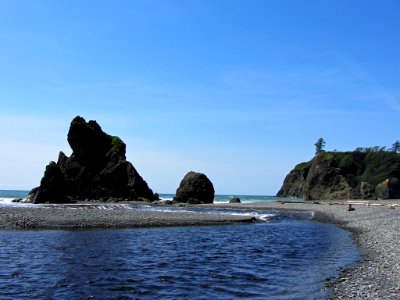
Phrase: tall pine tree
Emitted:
{"points": [[320, 145], [396, 147]]}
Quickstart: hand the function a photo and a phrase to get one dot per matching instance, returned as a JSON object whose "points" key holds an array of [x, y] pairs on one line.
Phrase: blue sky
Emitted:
{"points": [[239, 90]]}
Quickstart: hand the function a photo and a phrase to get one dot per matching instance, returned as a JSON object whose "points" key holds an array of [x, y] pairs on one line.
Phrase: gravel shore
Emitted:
{"points": [[374, 227], [87, 217], [375, 230]]}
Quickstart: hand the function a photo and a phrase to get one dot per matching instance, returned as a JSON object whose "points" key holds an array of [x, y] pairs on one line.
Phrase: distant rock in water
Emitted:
{"points": [[96, 170], [234, 200], [345, 175], [195, 188]]}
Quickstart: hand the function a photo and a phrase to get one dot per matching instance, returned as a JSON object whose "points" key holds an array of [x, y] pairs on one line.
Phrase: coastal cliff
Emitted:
{"points": [[96, 170], [345, 175]]}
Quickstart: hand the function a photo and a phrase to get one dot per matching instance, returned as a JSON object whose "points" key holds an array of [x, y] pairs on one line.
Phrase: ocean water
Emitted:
{"points": [[281, 257], [7, 195], [243, 198]]}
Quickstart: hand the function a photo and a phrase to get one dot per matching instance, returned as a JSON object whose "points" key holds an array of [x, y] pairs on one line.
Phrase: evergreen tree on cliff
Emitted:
{"points": [[319, 145], [396, 147]]}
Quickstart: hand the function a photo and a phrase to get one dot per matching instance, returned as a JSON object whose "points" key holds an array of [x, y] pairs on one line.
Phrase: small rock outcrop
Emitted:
{"points": [[234, 200], [388, 189], [345, 175], [96, 170], [195, 188]]}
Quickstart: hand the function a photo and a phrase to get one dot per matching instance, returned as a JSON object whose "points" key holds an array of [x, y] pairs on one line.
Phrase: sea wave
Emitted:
{"points": [[8, 202], [261, 216], [258, 215]]}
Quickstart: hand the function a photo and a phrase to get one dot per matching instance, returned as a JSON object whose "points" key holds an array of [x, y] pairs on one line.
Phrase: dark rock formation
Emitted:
{"points": [[325, 181], [52, 186], [294, 182], [96, 170], [195, 188], [234, 200], [345, 175], [388, 189]]}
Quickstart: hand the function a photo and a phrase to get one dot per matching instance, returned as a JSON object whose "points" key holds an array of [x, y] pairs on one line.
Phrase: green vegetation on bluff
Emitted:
{"points": [[368, 173], [301, 166], [117, 145], [372, 167]]}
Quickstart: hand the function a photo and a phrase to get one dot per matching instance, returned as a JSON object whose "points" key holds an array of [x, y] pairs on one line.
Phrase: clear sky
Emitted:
{"points": [[238, 90]]}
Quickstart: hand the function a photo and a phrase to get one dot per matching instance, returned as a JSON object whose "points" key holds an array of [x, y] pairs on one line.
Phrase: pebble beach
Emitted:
{"points": [[74, 217], [375, 230], [374, 227]]}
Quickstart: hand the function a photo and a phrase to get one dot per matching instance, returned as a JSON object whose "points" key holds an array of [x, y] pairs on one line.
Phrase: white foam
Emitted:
{"points": [[6, 200], [258, 216], [9, 203], [99, 206], [169, 210]]}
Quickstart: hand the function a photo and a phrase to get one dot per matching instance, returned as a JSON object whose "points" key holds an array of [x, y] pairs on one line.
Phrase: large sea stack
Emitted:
{"points": [[345, 175], [96, 170], [195, 188]]}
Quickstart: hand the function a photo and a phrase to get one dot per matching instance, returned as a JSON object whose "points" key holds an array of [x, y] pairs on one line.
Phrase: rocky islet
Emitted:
{"points": [[98, 170], [195, 188]]}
